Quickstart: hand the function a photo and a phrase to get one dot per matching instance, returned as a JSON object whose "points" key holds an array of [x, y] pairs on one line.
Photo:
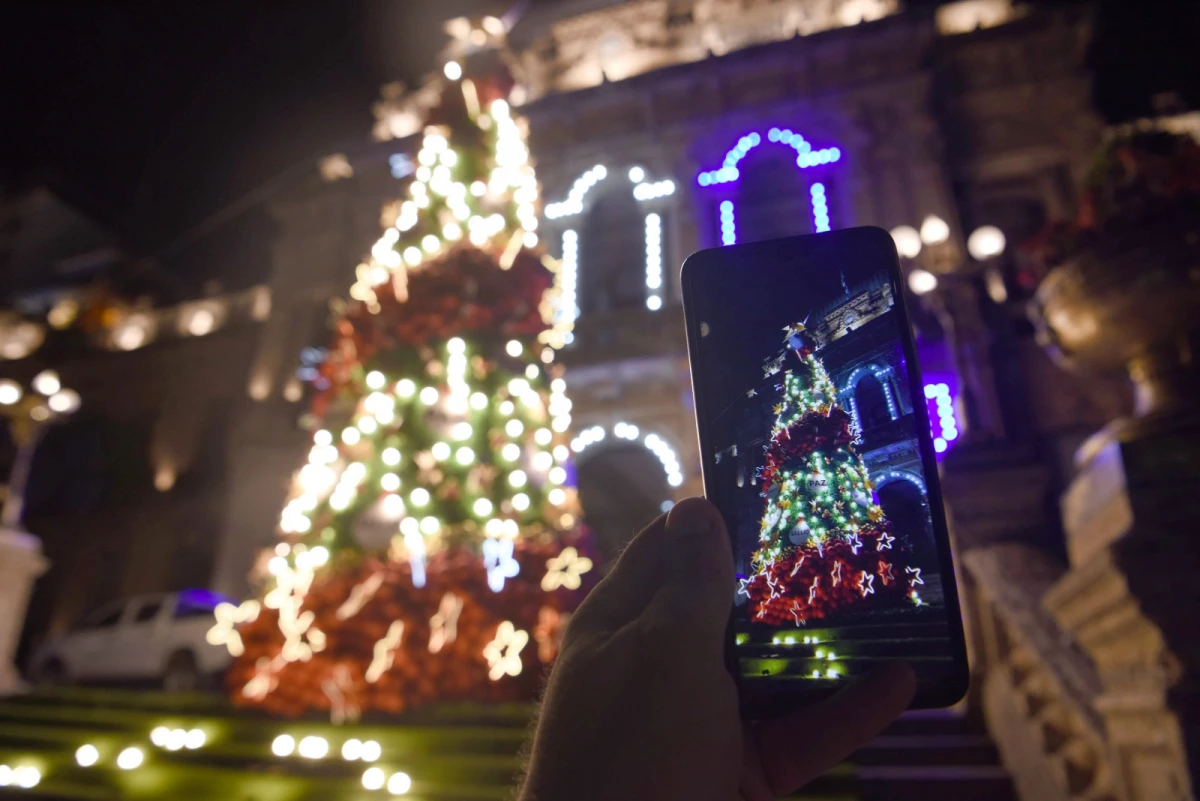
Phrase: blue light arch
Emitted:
{"points": [[806, 157]]}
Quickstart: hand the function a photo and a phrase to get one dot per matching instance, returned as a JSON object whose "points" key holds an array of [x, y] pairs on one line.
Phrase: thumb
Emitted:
{"points": [[697, 588]]}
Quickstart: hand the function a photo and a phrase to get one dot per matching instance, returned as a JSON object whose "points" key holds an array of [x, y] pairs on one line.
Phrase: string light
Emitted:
{"points": [[130, 758], [87, 755], [373, 778]]}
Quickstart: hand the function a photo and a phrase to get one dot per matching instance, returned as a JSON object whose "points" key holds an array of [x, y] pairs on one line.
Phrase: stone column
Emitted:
{"points": [[1131, 600], [21, 560]]}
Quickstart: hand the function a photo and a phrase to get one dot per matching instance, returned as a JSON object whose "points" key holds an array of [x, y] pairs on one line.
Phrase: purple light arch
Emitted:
{"points": [[806, 157]]}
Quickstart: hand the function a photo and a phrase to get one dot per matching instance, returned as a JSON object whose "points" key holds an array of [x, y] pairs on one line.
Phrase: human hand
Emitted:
{"points": [[640, 704]]}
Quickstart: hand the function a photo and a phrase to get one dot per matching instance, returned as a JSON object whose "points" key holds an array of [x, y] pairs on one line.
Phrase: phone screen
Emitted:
{"points": [[817, 451]]}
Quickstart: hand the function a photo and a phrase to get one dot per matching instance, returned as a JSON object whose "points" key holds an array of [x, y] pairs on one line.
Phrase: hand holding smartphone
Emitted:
{"points": [[809, 401]]}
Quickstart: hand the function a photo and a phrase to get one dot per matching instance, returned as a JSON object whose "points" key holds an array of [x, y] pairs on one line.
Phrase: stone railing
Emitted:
{"points": [[1037, 689]]}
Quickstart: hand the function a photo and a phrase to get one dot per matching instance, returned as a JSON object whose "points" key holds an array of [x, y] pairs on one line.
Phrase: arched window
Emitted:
{"points": [[613, 241], [871, 402], [784, 188], [612, 255]]}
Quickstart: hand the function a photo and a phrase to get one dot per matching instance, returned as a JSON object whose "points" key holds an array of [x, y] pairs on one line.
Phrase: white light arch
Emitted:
{"points": [[644, 190], [655, 443], [861, 372], [806, 157], [889, 476]]}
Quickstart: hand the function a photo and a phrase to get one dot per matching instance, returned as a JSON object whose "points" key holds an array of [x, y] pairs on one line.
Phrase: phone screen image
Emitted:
{"points": [[817, 452]]}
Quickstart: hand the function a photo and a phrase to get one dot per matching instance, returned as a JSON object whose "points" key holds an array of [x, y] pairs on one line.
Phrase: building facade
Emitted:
{"points": [[659, 128]]}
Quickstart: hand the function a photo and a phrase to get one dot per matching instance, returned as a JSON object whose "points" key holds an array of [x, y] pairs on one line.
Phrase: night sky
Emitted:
{"points": [[153, 116]]}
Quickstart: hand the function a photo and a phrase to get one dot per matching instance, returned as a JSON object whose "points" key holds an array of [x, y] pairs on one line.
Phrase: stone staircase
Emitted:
{"points": [[457, 753]]}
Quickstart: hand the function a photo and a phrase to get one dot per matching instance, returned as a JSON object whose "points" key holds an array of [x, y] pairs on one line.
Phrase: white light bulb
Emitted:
{"points": [[464, 456], [452, 70], [430, 243], [517, 478], [908, 241], [368, 425], [430, 526], [461, 430], [10, 392], [483, 507], [371, 751], [531, 372], [922, 281], [934, 230], [322, 438], [561, 453], [429, 396], [542, 460], [479, 401], [351, 436], [513, 348], [507, 408], [390, 482], [543, 436], [352, 749], [456, 345], [440, 451], [64, 401], [514, 428], [985, 242], [557, 496], [87, 755], [196, 738], [419, 496], [373, 778], [47, 382], [511, 452], [557, 475], [376, 379], [520, 502], [283, 745], [399, 783], [391, 457], [130, 758], [313, 747]]}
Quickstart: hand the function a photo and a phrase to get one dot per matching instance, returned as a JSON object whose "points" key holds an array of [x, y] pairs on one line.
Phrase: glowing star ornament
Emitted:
{"points": [[503, 653], [812, 591], [884, 542], [565, 570], [743, 583], [499, 562], [385, 652], [836, 575], [866, 584], [855, 544], [443, 626], [796, 614], [359, 596], [885, 573], [916, 579], [228, 618]]}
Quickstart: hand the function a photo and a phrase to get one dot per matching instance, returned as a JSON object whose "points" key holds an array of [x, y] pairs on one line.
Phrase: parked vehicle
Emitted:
{"points": [[150, 637]]}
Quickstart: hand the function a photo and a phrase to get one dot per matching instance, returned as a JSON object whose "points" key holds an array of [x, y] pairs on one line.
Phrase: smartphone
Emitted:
{"points": [[809, 404]]}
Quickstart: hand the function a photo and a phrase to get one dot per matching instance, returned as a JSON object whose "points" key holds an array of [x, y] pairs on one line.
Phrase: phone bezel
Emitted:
{"points": [[763, 700]]}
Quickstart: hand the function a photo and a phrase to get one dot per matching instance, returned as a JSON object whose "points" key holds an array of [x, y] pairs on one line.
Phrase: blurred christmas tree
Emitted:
{"points": [[431, 547], [825, 546]]}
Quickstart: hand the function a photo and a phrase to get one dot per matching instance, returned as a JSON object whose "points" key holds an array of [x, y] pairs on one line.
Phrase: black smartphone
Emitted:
{"points": [[809, 401]]}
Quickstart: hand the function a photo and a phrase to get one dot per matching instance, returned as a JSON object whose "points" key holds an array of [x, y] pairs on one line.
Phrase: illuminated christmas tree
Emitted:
{"points": [[825, 546], [431, 547]]}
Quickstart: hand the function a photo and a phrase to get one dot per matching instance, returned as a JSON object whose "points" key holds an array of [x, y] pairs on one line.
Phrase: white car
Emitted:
{"points": [[158, 637]]}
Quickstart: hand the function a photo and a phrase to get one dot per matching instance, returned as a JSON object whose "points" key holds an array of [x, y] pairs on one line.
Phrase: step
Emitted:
{"points": [[927, 749], [934, 783]]}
